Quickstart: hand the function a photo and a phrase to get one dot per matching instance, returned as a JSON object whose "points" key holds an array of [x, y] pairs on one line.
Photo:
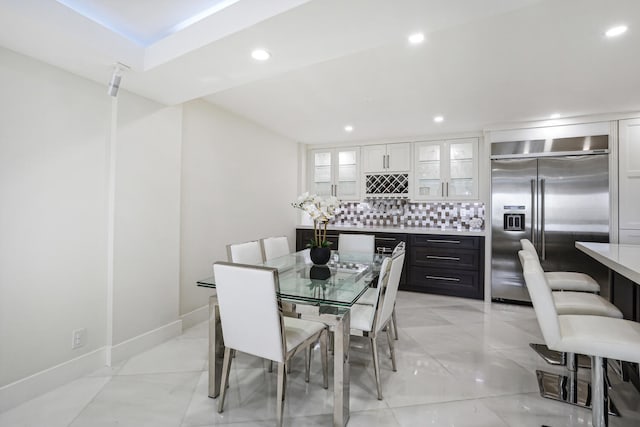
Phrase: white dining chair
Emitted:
{"points": [[357, 243], [369, 321], [252, 322], [370, 296], [245, 253], [275, 247]]}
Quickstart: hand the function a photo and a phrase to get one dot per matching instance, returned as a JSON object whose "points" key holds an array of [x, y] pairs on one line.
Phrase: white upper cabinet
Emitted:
{"points": [[629, 174], [446, 170], [335, 172], [386, 157]]}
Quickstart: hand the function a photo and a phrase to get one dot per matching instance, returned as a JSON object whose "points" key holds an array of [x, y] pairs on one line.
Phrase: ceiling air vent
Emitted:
{"points": [[396, 184]]}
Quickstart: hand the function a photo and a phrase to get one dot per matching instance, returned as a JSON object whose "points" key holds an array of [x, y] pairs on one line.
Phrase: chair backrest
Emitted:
{"points": [[541, 298], [249, 311], [400, 247], [365, 243], [274, 247], [245, 253], [528, 246], [387, 298]]}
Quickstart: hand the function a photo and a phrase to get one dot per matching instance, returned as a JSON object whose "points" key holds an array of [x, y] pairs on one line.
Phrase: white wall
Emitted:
{"points": [[187, 180], [147, 217], [52, 215], [55, 131], [238, 182]]}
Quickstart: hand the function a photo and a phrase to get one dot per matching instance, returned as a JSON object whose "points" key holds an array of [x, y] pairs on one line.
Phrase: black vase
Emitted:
{"points": [[319, 272], [320, 256]]}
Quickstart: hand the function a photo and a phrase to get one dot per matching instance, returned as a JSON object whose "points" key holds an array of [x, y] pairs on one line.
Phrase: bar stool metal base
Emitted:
{"points": [[553, 357], [559, 387]]}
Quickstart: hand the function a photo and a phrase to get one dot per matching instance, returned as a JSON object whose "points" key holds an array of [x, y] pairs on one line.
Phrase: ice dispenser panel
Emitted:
{"points": [[514, 222]]}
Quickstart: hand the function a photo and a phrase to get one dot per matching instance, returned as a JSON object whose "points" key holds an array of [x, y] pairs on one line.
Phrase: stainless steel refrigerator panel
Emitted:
{"points": [[513, 188], [573, 197]]}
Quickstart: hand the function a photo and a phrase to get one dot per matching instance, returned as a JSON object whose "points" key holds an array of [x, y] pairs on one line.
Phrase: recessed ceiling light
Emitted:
{"points": [[416, 38], [348, 128], [260, 55], [554, 116], [616, 31], [438, 119]]}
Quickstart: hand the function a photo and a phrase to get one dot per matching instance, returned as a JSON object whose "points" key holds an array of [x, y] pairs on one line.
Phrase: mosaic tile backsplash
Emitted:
{"points": [[393, 212]]}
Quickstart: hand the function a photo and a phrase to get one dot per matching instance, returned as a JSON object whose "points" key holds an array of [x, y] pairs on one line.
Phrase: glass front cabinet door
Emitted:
{"points": [[335, 172], [446, 170]]}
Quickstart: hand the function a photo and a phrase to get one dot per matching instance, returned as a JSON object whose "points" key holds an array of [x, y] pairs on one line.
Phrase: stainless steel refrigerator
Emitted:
{"points": [[554, 193]]}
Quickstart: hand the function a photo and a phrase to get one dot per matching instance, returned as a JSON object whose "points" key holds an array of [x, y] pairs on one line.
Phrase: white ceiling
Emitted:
{"points": [[339, 62]]}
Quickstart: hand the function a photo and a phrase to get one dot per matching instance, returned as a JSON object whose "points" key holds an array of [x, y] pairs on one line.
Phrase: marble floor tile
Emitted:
{"points": [[175, 355], [460, 362], [57, 408], [153, 400], [467, 413]]}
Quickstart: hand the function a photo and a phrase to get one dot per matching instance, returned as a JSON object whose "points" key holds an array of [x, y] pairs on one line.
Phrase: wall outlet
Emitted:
{"points": [[78, 338]]}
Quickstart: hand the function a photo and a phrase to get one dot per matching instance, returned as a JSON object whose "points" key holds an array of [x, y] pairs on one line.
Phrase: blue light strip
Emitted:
{"points": [[94, 16]]}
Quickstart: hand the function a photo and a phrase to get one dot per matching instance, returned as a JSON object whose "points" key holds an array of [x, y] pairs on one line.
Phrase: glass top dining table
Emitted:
{"points": [[339, 283], [319, 293]]}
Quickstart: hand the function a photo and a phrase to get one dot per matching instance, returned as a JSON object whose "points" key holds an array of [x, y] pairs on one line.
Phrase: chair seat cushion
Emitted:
{"points": [[369, 297], [599, 336], [584, 303], [362, 317], [298, 330], [571, 281]]}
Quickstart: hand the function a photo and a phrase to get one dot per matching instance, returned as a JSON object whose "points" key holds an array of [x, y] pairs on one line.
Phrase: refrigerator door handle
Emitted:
{"points": [[533, 214], [542, 238]]}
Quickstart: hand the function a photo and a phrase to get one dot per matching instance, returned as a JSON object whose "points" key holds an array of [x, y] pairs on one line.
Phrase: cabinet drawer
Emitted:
{"points": [[446, 282], [386, 243], [440, 258], [445, 241]]}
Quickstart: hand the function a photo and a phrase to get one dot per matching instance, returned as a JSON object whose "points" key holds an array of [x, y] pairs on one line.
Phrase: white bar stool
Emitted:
{"points": [[600, 337], [561, 281], [564, 280], [568, 388]]}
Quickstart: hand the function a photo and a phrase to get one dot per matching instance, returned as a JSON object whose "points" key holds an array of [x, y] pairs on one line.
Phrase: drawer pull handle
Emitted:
{"points": [[448, 258], [383, 250], [455, 242], [450, 279], [392, 239]]}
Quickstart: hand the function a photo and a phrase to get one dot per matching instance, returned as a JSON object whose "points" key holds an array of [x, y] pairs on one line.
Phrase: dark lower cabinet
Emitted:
{"points": [[305, 235], [447, 265], [625, 294], [439, 264]]}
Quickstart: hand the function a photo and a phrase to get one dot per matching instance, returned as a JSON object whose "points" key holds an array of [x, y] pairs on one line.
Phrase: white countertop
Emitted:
{"points": [[623, 259], [401, 229]]}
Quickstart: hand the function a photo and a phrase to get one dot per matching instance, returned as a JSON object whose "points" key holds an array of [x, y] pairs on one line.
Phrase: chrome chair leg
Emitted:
{"points": [[572, 383], [226, 367], [600, 401], [307, 363], [376, 366], [391, 349], [394, 322], [325, 359], [282, 375]]}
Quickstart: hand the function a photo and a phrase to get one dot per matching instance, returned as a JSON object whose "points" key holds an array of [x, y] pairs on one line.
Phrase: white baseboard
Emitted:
{"points": [[16, 393], [195, 317], [136, 345]]}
